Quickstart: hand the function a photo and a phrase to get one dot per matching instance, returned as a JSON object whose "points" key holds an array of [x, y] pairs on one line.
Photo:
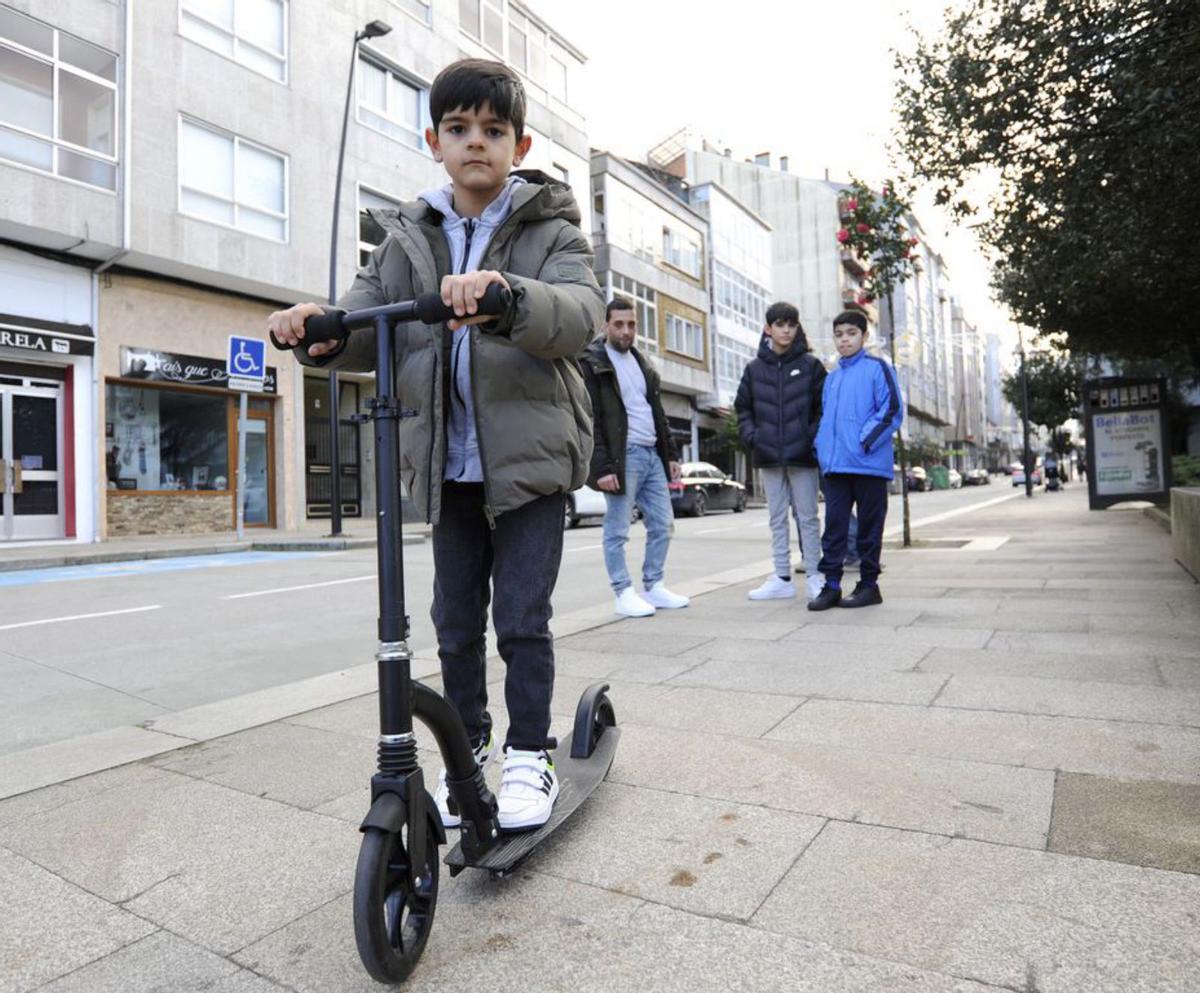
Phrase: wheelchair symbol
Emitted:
{"points": [[243, 362]]}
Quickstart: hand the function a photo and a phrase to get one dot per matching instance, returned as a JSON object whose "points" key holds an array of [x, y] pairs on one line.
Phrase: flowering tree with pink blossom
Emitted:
{"points": [[875, 231]]}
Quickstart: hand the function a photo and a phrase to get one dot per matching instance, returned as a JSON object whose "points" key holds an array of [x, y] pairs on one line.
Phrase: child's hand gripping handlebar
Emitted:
{"points": [[336, 325]]}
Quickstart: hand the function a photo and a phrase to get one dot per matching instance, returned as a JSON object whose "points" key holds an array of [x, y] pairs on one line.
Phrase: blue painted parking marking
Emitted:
{"points": [[145, 567]]}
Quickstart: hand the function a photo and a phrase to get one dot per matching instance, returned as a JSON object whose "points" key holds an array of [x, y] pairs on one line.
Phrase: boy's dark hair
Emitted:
{"points": [[782, 312], [855, 317], [618, 303], [470, 83]]}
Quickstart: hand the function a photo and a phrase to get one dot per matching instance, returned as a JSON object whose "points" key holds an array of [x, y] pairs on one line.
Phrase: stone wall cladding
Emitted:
{"points": [[1185, 527], [131, 513]]}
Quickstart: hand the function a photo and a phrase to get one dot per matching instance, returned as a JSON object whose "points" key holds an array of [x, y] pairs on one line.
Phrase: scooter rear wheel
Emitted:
{"points": [[393, 903]]}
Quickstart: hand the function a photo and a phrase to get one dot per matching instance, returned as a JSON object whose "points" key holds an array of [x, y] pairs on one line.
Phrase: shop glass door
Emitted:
{"points": [[31, 492], [259, 498]]}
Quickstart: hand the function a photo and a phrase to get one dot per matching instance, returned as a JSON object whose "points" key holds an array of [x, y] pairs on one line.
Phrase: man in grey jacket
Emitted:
{"points": [[503, 423]]}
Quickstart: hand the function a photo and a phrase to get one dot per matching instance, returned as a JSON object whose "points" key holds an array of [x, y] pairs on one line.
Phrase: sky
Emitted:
{"points": [[807, 79]]}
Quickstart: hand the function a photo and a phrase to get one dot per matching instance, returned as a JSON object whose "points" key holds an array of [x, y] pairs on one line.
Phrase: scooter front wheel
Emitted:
{"points": [[394, 902]]}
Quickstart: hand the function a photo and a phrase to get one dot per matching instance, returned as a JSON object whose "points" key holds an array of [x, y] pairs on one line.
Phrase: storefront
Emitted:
{"points": [[170, 435], [46, 399]]}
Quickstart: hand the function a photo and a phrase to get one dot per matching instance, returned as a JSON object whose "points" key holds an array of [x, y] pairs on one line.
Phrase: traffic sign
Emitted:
{"points": [[246, 363]]}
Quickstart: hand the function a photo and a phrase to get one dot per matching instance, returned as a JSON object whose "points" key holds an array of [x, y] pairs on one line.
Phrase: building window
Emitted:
{"points": [[391, 103], [685, 337], [682, 251], [252, 32], [228, 180], [738, 298], [562, 172], [483, 20], [732, 359], [166, 439], [58, 102], [645, 300], [422, 10], [370, 235]]}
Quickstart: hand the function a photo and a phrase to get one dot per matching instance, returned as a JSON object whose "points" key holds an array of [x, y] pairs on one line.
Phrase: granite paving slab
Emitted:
{"points": [[801, 676], [1138, 670], [884, 640], [1105, 748], [1025, 920], [947, 796], [1153, 824]]}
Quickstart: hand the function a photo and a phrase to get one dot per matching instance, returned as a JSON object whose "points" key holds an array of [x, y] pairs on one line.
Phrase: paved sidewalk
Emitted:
{"points": [[991, 782]]}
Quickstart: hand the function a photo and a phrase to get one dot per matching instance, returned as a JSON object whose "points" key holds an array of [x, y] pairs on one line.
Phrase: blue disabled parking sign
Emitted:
{"points": [[246, 363]]}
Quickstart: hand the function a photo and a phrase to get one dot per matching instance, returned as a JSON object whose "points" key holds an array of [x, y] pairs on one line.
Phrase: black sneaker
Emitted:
{"points": [[864, 595], [828, 597]]}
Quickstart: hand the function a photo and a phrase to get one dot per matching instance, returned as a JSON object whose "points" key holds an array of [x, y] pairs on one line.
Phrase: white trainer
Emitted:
{"points": [[663, 598], [773, 588], [629, 604], [528, 789], [447, 808], [814, 585]]}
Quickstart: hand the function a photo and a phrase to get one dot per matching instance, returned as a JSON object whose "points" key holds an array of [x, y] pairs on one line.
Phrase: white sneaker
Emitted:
{"points": [[773, 588], [447, 808], [629, 604], [663, 598], [814, 585], [528, 789]]}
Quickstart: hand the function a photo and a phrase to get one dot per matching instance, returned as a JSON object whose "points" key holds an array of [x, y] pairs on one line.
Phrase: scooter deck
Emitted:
{"points": [[577, 779]]}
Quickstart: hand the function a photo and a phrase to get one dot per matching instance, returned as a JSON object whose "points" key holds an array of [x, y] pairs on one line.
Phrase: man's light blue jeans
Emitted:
{"points": [[645, 486]]}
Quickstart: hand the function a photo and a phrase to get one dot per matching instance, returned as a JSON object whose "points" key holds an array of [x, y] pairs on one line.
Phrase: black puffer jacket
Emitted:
{"points": [[779, 405]]}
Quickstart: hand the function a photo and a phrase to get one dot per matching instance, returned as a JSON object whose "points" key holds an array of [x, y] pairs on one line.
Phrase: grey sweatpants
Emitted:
{"points": [[793, 488]]}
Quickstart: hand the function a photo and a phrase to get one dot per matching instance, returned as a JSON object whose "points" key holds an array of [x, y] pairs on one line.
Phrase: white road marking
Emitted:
{"points": [[79, 617], [583, 548], [292, 589], [736, 527], [934, 519]]}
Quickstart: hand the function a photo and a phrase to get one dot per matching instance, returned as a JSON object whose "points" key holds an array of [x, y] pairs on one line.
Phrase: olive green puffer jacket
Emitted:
{"points": [[534, 418]]}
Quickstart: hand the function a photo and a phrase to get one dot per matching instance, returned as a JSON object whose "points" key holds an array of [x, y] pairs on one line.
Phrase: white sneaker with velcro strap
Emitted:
{"points": [[528, 789], [485, 751]]}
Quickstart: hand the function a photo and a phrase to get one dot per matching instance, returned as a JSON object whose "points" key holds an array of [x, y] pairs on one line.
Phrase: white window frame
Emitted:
{"points": [[238, 141], [408, 79], [284, 57], [427, 20], [679, 331], [645, 302], [677, 250], [360, 189], [497, 7], [58, 66]]}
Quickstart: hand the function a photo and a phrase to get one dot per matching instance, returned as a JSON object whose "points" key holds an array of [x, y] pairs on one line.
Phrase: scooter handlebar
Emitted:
{"points": [[335, 325]]}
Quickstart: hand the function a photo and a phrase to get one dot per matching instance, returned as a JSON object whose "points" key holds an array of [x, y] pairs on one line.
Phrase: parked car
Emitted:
{"points": [[703, 487], [893, 485], [977, 477], [585, 504], [1018, 476], [955, 478], [918, 478]]}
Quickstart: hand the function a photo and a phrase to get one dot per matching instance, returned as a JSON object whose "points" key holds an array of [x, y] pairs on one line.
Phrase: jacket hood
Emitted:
{"points": [[798, 347], [537, 197]]}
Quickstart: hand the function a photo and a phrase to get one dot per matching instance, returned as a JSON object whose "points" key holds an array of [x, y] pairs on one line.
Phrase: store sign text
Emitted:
{"points": [[193, 370]]}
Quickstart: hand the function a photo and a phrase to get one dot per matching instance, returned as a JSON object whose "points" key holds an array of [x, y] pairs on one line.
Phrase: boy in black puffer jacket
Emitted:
{"points": [[779, 407]]}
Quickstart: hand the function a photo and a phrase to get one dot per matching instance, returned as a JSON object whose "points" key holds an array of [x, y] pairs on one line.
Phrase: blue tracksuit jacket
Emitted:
{"points": [[861, 407]]}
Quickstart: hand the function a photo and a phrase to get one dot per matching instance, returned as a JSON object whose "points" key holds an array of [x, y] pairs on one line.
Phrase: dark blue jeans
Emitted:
{"points": [[868, 494], [515, 567]]}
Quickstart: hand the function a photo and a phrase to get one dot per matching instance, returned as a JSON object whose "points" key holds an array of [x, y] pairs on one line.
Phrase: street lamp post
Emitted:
{"points": [[375, 29], [1027, 458]]}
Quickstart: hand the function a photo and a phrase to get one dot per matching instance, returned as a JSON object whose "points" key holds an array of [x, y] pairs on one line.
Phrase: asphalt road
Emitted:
{"points": [[87, 648]]}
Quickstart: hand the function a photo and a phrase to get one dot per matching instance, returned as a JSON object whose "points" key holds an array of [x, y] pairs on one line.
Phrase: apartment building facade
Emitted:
{"points": [[652, 248], [166, 179]]}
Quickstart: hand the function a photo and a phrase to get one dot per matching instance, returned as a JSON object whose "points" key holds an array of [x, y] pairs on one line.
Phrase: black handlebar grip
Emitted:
{"points": [[318, 328], [495, 301]]}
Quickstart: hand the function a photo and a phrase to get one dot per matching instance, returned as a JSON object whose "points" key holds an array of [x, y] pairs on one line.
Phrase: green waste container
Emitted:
{"points": [[939, 477]]}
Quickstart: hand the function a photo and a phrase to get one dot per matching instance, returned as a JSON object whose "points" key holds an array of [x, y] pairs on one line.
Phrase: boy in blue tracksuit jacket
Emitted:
{"points": [[861, 407]]}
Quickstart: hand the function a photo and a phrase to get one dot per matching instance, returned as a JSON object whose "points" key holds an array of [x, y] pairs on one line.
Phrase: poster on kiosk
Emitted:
{"points": [[1128, 448]]}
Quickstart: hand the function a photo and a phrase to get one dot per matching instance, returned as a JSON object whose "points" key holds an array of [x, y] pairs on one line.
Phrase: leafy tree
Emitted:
{"points": [[1083, 116], [874, 229], [1054, 393]]}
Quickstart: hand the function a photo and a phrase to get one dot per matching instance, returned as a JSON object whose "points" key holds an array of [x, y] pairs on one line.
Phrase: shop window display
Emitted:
{"points": [[166, 440]]}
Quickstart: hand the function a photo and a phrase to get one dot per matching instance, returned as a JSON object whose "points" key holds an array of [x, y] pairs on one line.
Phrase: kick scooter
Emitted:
{"points": [[396, 881]]}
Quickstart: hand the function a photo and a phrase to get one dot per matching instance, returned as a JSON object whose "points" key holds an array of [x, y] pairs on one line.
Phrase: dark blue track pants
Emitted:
{"points": [[868, 496]]}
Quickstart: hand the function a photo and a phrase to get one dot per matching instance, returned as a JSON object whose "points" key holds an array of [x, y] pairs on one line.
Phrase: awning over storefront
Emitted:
{"points": [[46, 337]]}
